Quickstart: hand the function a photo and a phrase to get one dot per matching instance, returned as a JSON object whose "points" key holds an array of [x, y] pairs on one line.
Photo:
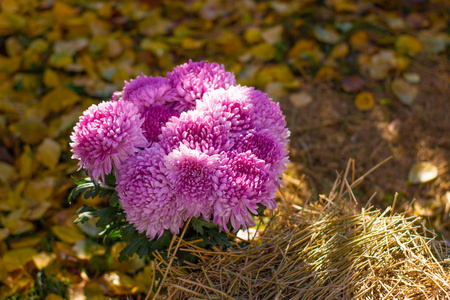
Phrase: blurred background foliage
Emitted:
{"points": [[361, 79]]}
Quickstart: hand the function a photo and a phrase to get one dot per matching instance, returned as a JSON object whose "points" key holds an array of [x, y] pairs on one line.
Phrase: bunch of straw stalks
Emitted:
{"points": [[324, 251]]}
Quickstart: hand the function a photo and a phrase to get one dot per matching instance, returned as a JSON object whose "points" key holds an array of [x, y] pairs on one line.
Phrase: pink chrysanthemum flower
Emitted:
{"points": [[147, 198], [155, 117], [266, 147], [192, 80], [145, 91], [245, 181], [106, 136], [196, 130], [244, 108], [192, 175]]}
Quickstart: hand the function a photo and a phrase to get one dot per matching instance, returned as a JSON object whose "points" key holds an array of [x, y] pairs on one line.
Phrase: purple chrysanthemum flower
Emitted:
{"points": [[266, 147], [155, 117], [147, 198], [192, 175], [196, 130], [145, 91], [106, 136], [245, 108], [116, 96], [217, 149], [245, 181], [192, 80]]}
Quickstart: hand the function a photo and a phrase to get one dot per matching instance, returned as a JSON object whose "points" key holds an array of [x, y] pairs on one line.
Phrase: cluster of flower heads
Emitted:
{"points": [[187, 145]]}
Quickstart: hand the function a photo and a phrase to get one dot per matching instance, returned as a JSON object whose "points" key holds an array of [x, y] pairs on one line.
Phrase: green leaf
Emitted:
{"points": [[105, 216], [114, 200], [163, 242], [84, 209], [79, 182], [79, 189], [128, 232], [115, 233], [198, 225], [221, 239], [138, 245], [84, 214], [110, 179], [97, 191], [260, 210]]}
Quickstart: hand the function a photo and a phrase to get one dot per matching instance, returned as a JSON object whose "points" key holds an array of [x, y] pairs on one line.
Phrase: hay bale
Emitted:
{"points": [[324, 252]]}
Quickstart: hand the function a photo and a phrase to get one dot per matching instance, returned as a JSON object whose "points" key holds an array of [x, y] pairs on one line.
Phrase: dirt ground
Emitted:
{"points": [[330, 130]]}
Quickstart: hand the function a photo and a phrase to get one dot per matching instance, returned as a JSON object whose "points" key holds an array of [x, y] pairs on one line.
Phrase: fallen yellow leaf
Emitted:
{"points": [[17, 258], [10, 5], [53, 297], [433, 42], [343, 5], [158, 48], [59, 99], [381, 63], [38, 211], [405, 92], [230, 44], [40, 189], [86, 248], [300, 99], [4, 233], [7, 173], [13, 46], [364, 101], [408, 44], [62, 12], [191, 44], [301, 47], [10, 65], [113, 48], [359, 40], [327, 34], [340, 50], [106, 10], [11, 23], [131, 266], [51, 78], [43, 259], [30, 131], [253, 35], [29, 241], [48, 153], [26, 163], [422, 172], [67, 234], [39, 46], [93, 290], [326, 74], [37, 26], [119, 283], [273, 35], [263, 51], [143, 278], [18, 226], [59, 60]]}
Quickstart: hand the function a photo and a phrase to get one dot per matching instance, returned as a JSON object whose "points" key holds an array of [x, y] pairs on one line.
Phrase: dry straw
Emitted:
{"points": [[325, 251]]}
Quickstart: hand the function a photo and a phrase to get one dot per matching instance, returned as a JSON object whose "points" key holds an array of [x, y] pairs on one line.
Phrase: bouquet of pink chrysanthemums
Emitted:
{"points": [[193, 144]]}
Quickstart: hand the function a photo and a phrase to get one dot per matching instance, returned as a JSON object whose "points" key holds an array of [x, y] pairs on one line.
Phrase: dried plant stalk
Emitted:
{"points": [[324, 252]]}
